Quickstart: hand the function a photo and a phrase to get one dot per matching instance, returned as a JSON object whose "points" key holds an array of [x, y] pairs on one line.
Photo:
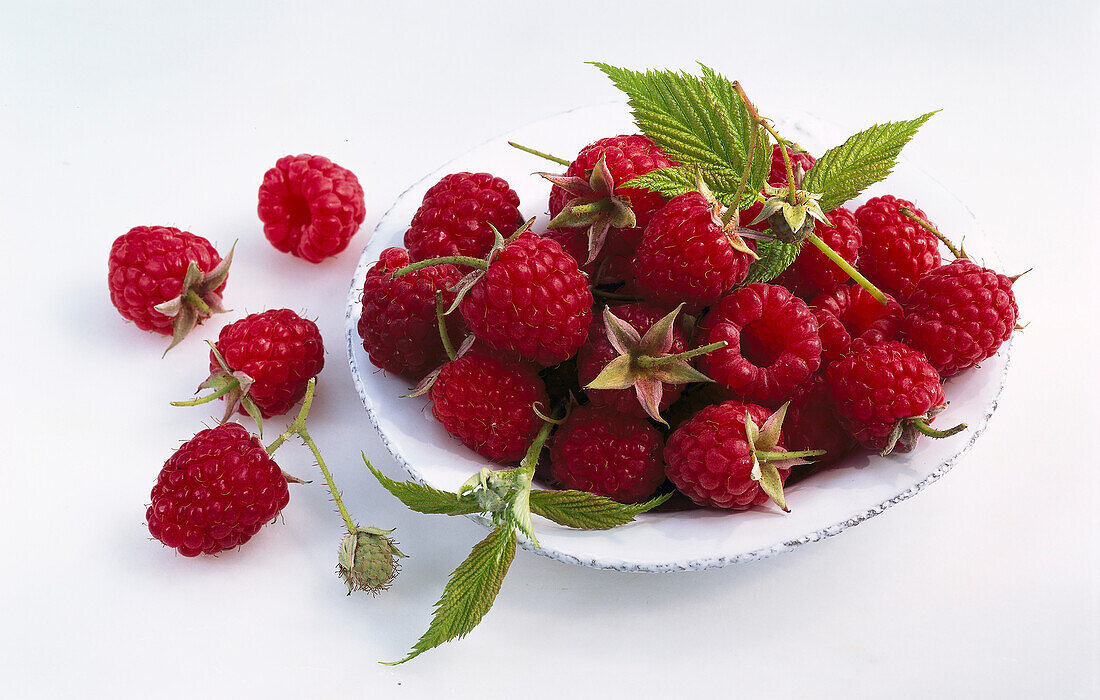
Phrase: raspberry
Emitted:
{"points": [[398, 324], [278, 350], [485, 399], [146, 273], [608, 453], [532, 299], [455, 216], [686, 254], [896, 251], [710, 460], [850, 312], [626, 157], [812, 273], [811, 423], [773, 343], [886, 394], [310, 207], [959, 315], [598, 351], [215, 492]]}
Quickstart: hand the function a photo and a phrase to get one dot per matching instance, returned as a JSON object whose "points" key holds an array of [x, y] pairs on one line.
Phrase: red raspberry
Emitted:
{"points": [[532, 299], [310, 206], [147, 267], [686, 255], [812, 273], [811, 423], [279, 350], [455, 215], [598, 351], [773, 344], [485, 399], [777, 177], [881, 390], [709, 458], [216, 492], [398, 324], [608, 453], [627, 157], [959, 315], [896, 251], [850, 312]]}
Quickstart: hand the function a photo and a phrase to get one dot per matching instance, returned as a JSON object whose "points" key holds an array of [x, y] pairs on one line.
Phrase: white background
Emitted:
{"points": [[986, 585]]}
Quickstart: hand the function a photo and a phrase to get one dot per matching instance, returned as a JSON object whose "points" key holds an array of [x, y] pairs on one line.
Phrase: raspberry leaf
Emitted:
{"points": [[587, 511], [867, 157], [775, 257], [425, 499], [678, 179], [470, 592]]}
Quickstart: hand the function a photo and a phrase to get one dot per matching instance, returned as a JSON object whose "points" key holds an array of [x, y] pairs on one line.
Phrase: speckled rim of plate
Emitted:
{"points": [[354, 306]]}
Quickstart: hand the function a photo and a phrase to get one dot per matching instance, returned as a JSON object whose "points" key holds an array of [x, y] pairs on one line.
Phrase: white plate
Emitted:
{"points": [[823, 505]]}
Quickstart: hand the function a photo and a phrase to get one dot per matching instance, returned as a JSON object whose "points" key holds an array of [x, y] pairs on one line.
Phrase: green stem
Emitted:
{"points": [[736, 205], [847, 267], [531, 459], [792, 190], [927, 226], [540, 154], [922, 425], [229, 386], [646, 361], [440, 320], [774, 456], [195, 300], [453, 259]]}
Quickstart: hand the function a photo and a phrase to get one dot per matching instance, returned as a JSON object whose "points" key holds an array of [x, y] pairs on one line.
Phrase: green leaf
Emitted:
{"points": [[775, 256], [695, 121], [470, 592], [676, 180], [587, 511], [861, 161], [425, 499]]}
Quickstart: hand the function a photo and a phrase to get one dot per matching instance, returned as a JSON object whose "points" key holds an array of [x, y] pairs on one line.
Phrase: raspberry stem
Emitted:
{"points": [[735, 205], [927, 226], [195, 300], [453, 259], [230, 384], [774, 456], [531, 459], [540, 154], [645, 361], [440, 319], [847, 267], [922, 425]]}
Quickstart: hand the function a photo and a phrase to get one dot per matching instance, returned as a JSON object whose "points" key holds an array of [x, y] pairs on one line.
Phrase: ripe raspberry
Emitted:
{"points": [[777, 177], [885, 395], [811, 423], [850, 312], [455, 215], [812, 273], [959, 315], [598, 351], [147, 275], [398, 324], [626, 157], [532, 299], [278, 350], [686, 255], [216, 492], [773, 344], [485, 399], [608, 453], [310, 207], [896, 251], [710, 457]]}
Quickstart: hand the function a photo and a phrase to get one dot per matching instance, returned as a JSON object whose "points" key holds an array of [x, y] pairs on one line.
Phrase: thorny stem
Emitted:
{"points": [[195, 300], [847, 267], [453, 259], [440, 319], [761, 121], [927, 226], [540, 154], [647, 361]]}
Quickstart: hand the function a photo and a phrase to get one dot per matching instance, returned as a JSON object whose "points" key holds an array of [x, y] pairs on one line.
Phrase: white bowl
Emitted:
{"points": [[825, 504]]}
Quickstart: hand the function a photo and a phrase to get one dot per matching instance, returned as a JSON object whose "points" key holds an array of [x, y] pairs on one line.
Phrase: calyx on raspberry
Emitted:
{"points": [[198, 298], [907, 430], [767, 460], [231, 384], [594, 205], [790, 211], [644, 363]]}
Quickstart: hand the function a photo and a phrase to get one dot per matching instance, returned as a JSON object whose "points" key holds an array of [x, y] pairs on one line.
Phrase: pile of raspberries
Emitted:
{"points": [[543, 314]]}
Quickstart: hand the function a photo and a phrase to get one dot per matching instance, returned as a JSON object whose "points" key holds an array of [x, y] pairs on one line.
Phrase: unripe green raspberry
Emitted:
{"points": [[368, 560]]}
